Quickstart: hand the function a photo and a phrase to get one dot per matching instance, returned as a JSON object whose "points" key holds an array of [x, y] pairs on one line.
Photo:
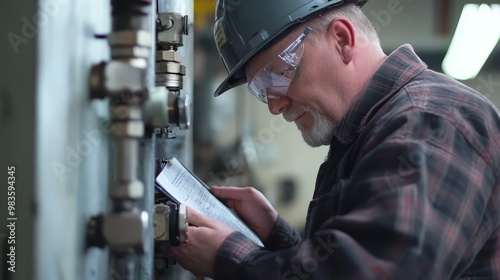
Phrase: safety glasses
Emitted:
{"points": [[272, 81]]}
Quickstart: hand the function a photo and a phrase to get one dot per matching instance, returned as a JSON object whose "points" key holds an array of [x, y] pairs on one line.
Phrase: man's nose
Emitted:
{"points": [[276, 106]]}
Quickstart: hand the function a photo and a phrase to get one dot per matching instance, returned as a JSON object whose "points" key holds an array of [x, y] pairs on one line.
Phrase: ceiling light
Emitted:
{"points": [[476, 36]]}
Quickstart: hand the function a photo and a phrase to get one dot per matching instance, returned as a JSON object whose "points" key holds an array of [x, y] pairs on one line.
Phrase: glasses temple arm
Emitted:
{"points": [[295, 44]]}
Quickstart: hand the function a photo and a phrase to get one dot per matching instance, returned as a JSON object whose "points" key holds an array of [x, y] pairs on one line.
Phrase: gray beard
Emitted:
{"points": [[320, 133]]}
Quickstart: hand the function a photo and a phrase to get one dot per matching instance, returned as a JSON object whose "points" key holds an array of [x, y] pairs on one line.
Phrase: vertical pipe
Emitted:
{"points": [[170, 147], [126, 159], [147, 164], [129, 17], [181, 147]]}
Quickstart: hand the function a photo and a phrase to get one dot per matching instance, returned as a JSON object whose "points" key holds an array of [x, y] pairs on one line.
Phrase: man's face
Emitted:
{"points": [[299, 104]]}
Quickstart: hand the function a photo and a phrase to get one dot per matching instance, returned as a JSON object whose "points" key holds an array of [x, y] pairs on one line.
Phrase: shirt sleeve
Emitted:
{"points": [[237, 248], [230, 257], [414, 207], [283, 235]]}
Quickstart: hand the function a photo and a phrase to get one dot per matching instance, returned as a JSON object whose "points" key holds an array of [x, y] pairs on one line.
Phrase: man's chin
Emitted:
{"points": [[312, 140], [312, 144], [316, 130]]}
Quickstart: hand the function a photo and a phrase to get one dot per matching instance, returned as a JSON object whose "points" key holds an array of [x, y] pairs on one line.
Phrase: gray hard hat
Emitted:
{"points": [[245, 27]]}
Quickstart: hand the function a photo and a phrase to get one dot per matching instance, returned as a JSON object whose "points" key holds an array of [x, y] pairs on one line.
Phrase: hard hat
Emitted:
{"points": [[244, 27]]}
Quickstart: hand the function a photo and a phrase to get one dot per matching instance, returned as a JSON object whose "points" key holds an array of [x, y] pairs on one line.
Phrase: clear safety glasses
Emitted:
{"points": [[272, 81]]}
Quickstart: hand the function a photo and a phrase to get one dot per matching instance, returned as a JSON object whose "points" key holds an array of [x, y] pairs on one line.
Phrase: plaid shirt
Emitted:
{"points": [[410, 189]]}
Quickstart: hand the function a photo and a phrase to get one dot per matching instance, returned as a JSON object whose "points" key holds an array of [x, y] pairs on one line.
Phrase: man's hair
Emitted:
{"points": [[352, 13]]}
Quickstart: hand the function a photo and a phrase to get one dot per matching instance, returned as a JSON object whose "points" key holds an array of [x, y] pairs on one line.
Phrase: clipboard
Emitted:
{"points": [[183, 187]]}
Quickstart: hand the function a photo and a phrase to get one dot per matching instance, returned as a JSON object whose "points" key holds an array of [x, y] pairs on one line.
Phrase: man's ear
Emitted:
{"points": [[343, 36]]}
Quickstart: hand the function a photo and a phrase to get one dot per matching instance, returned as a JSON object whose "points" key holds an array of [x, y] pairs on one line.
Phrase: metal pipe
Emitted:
{"points": [[183, 142], [126, 159], [129, 42]]}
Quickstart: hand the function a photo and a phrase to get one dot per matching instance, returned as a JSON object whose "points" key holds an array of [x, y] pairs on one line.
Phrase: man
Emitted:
{"points": [[411, 185]]}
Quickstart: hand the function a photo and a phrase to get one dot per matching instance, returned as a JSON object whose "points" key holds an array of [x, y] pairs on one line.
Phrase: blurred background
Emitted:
{"points": [[87, 142]]}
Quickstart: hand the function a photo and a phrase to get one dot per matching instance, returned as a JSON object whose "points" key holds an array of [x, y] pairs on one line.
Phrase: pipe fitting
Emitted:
{"points": [[171, 27], [122, 112], [171, 81], [132, 38], [168, 55], [124, 76], [130, 52], [131, 190], [127, 129], [170, 67], [134, 224]]}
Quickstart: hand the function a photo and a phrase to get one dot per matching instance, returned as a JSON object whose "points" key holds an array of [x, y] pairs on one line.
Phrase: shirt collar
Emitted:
{"points": [[397, 70]]}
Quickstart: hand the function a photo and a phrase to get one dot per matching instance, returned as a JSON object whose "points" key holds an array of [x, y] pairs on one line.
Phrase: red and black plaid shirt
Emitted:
{"points": [[410, 189]]}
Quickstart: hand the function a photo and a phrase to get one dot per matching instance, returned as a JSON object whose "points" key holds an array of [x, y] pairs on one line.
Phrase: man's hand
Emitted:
{"points": [[205, 236], [251, 206]]}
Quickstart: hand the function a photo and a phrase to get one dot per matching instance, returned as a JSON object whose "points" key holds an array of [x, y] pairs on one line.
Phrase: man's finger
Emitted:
{"points": [[197, 219], [229, 193]]}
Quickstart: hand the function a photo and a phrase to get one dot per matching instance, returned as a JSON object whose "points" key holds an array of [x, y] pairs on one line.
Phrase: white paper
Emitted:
{"points": [[176, 180]]}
